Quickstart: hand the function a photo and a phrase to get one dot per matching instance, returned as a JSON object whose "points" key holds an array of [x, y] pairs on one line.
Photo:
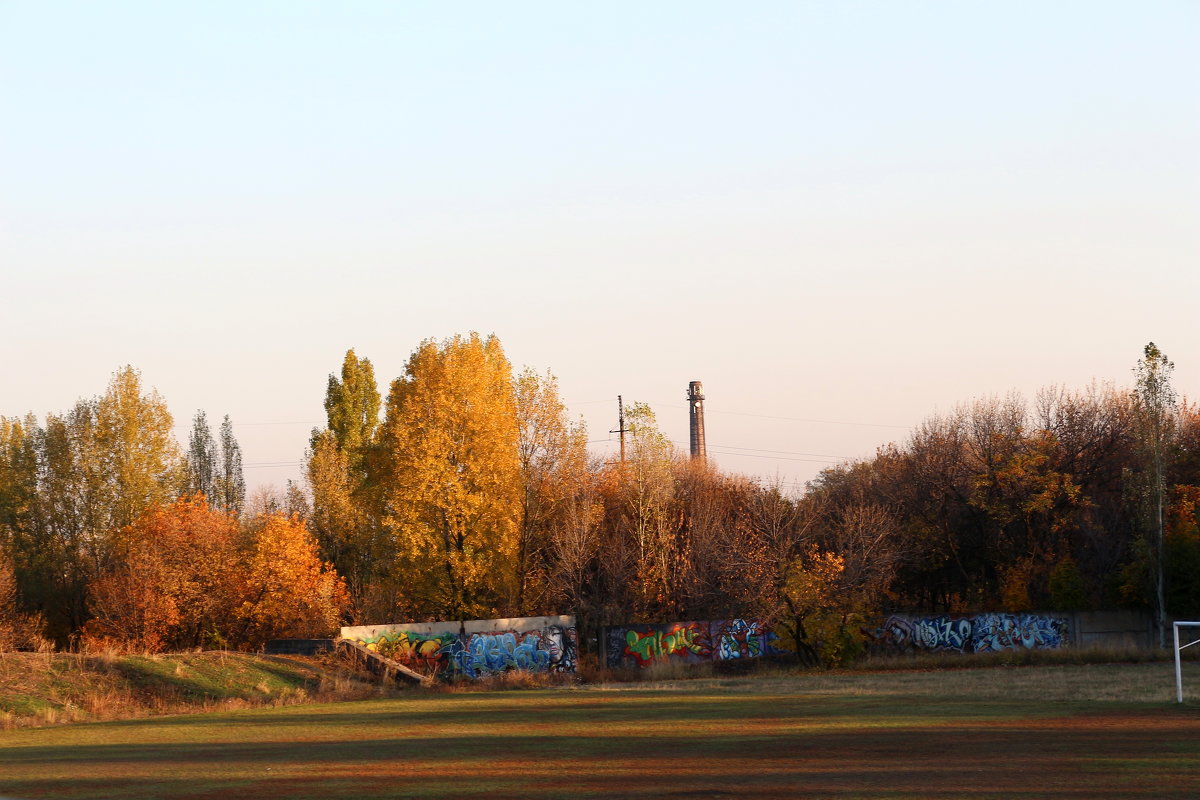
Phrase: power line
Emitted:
{"points": [[255, 424], [793, 419], [784, 452], [776, 458]]}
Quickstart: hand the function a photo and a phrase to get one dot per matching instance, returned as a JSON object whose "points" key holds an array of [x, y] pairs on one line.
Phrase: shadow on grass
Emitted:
{"points": [[209, 679], [946, 761]]}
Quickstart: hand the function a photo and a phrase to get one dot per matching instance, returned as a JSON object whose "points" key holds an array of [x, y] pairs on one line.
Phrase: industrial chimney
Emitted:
{"points": [[696, 412]]}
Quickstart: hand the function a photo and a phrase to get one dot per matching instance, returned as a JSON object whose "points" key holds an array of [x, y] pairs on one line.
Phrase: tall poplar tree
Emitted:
{"points": [[352, 408], [452, 477], [201, 459], [345, 514], [229, 482], [1154, 402]]}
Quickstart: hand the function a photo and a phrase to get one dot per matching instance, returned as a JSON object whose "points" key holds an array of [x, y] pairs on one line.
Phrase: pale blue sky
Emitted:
{"points": [[849, 212]]}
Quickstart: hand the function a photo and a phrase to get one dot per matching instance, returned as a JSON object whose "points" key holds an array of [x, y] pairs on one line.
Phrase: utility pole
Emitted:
{"points": [[621, 429]]}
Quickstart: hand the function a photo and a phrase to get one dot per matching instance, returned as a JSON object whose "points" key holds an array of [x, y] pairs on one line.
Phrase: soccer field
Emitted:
{"points": [[1109, 731]]}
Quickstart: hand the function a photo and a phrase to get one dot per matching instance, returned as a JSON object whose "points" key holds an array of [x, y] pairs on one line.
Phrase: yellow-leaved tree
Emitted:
{"points": [[450, 479]]}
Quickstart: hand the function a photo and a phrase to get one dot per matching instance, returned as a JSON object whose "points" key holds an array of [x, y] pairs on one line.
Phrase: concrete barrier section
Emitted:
{"points": [[474, 648], [695, 642]]}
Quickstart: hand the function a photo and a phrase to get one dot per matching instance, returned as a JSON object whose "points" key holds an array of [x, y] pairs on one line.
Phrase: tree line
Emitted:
{"points": [[468, 492]]}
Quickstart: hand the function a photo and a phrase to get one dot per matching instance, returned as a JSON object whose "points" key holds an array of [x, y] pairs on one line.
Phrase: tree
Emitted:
{"points": [[288, 590], [19, 520], [345, 503], [18, 629], [229, 483], [451, 477], [648, 491], [100, 465], [352, 409], [553, 459], [136, 447], [1154, 403], [201, 459], [175, 581]]}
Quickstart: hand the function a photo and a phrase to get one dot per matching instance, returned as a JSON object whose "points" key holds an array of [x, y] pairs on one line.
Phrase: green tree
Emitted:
{"points": [[452, 477], [229, 482], [201, 460], [352, 407], [345, 507]]}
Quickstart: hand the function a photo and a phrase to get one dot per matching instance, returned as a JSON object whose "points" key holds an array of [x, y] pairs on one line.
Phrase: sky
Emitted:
{"points": [[843, 218]]}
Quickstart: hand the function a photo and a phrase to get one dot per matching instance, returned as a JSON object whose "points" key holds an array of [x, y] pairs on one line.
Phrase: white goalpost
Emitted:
{"points": [[1178, 649]]}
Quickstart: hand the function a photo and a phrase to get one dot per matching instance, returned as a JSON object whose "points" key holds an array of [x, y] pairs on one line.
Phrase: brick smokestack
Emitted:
{"points": [[696, 413]]}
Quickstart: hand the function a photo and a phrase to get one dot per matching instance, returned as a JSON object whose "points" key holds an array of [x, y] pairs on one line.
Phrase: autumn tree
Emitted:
{"points": [[451, 478], [555, 499], [345, 500], [100, 465], [175, 582], [185, 575], [647, 490], [288, 590]]}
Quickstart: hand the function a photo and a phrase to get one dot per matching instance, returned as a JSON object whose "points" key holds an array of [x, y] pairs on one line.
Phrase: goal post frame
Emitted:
{"points": [[1178, 666]]}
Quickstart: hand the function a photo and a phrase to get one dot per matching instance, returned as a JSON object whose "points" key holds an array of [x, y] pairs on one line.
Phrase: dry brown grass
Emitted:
{"points": [[38, 689]]}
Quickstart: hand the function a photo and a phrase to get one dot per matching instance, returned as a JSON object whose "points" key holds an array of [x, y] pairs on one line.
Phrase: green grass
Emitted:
{"points": [[49, 688], [1098, 731]]}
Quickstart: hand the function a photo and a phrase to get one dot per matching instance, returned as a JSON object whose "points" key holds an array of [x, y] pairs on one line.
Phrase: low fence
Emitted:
{"points": [[474, 648], [694, 642]]}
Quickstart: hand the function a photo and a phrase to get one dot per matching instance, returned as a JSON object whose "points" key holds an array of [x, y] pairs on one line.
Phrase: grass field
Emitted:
{"points": [[1103, 731]]}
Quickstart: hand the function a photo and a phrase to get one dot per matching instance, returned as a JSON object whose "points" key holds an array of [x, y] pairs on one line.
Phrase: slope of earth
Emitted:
{"points": [[42, 689]]}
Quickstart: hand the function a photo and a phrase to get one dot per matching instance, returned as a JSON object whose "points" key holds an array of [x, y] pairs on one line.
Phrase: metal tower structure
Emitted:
{"points": [[696, 414]]}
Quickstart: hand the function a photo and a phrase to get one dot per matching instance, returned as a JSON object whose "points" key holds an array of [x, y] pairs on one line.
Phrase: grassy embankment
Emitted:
{"points": [[48, 688]]}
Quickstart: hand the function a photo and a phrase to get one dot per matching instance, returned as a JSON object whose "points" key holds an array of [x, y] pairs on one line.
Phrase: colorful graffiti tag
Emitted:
{"points": [[453, 654], [973, 633], [688, 642]]}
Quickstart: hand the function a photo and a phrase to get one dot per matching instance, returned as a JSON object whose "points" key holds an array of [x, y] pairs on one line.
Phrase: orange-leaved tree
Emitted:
{"points": [[288, 590], [173, 582]]}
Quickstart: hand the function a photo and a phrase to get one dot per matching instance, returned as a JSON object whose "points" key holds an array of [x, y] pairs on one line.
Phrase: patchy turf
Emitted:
{"points": [[993, 734], [48, 688]]}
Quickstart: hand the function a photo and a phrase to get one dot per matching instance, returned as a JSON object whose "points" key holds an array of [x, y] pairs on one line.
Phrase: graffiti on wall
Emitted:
{"points": [[974, 633], [453, 654], [689, 642]]}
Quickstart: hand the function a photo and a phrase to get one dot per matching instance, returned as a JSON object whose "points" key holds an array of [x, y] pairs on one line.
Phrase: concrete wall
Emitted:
{"points": [[694, 642], [474, 648], [992, 632], [1114, 629]]}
